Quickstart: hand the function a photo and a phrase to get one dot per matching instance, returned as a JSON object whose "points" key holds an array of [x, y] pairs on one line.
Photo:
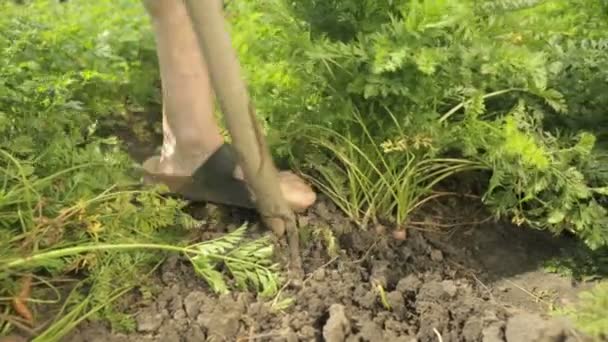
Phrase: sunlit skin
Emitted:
{"points": [[190, 131]]}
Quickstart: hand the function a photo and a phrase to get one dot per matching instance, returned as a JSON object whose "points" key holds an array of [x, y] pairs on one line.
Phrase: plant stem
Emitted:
{"points": [[106, 247], [486, 96], [59, 253]]}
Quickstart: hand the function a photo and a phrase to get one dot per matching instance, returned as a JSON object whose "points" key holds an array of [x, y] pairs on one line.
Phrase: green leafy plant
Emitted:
{"points": [[69, 317], [90, 236], [583, 265], [63, 183], [50, 234], [379, 100], [248, 263], [251, 261], [537, 178], [71, 205], [514, 87], [511, 85], [591, 313], [372, 180]]}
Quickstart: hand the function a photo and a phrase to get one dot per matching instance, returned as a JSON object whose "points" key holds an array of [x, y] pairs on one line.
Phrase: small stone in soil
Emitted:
{"points": [[179, 315], [149, 321], [436, 255], [319, 275], [410, 284], [472, 329], [370, 331], [450, 288], [397, 302], [193, 302], [337, 326], [493, 333]]}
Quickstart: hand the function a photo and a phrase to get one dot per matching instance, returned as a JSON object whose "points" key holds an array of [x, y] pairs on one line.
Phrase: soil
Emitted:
{"points": [[469, 282], [475, 283]]}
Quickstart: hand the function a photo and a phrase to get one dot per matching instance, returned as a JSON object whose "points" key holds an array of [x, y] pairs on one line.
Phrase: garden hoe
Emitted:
{"points": [[250, 148]]}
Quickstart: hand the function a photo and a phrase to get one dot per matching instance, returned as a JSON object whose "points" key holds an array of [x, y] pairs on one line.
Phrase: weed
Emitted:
{"points": [[371, 181], [327, 236], [591, 313], [582, 265], [383, 298]]}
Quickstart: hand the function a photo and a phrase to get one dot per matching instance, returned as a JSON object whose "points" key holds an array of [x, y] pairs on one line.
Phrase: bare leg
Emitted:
{"points": [[189, 127], [191, 133]]}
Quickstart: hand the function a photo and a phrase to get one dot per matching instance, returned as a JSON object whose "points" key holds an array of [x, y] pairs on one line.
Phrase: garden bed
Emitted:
{"points": [[469, 284], [514, 87]]}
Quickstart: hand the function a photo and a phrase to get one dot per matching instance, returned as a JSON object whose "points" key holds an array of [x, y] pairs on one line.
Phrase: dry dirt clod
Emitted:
{"points": [[169, 332], [337, 326], [450, 288], [436, 255], [493, 333], [195, 334], [149, 321], [397, 302], [193, 302], [410, 284], [323, 211], [380, 229], [472, 329], [524, 327], [370, 331], [424, 295]]}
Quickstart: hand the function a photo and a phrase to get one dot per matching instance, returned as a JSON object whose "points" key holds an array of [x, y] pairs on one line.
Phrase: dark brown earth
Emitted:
{"points": [[469, 284], [444, 282]]}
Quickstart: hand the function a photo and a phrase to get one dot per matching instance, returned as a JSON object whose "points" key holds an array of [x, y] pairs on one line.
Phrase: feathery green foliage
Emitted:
{"points": [[379, 99], [249, 263], [70, 202], [63, 182], [513, 85], [591, 313]]}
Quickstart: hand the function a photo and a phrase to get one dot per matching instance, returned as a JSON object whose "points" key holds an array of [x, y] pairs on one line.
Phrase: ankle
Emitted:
{"points": [[184, 160], [181, 164]]}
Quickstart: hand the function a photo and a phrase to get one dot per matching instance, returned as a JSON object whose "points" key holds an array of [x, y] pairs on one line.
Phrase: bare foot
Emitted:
{"points": [[298, 194]]}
